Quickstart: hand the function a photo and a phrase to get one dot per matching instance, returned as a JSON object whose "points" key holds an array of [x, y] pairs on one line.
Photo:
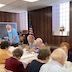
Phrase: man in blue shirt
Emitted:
{"points": [[13, 35]]}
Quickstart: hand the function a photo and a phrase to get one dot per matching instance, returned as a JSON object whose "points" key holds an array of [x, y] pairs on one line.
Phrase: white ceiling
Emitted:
{"points": [[19, 6]]}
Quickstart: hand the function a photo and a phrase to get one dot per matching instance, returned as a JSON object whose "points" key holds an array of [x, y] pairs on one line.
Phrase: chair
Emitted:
{"points": [[2, 68]]}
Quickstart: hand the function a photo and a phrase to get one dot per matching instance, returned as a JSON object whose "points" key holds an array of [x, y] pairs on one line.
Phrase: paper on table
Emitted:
{"points": [[27, 55]]}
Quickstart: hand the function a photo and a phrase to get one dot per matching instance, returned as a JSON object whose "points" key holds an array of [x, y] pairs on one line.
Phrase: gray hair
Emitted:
{"points": [[30, 36], [58, 54], [18, 52], [39, 40], [8, 25]]}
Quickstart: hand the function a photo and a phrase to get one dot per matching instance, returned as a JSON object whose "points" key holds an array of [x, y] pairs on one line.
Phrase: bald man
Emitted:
{"points": [[56, 65], [13, 35]]}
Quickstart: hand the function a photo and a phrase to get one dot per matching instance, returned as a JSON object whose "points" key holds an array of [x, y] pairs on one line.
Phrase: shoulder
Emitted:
{"points": [[32, 61], [60, 69], [13, 29], [18, 62], [44, 66], [47, 67], [64, 70], [34, 42], [8, 60], [5, 53]]}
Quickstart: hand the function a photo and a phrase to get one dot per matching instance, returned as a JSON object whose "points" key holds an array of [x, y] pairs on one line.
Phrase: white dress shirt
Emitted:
{"points": [[53, 66]]}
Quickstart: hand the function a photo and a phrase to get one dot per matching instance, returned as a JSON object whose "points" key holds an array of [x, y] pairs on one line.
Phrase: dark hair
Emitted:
{"points": [[65, 44], [5, 44], [18, 52], [44, 54]]}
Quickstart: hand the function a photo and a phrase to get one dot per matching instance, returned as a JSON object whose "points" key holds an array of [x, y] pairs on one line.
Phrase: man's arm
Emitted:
{"points": [[13, 40], [14, 35]]}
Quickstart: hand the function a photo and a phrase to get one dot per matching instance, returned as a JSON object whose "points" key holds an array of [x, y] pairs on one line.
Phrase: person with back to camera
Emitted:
{"points": [[13, 64], [43, 58], [56, 64], [13, 35], [68, 63], [4, 53], [66, 47]]}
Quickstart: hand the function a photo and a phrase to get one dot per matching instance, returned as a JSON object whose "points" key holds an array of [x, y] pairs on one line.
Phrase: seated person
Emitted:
{"points": [[39, 43], [4, 54], [13, 63], [31, 42], [21, 39], [56, 64], [65, 46], [24, 33], [43, 57], [25, 39]]}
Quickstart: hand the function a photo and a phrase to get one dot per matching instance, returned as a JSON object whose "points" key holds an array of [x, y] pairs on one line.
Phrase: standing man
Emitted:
{"points": [[13, 36]]}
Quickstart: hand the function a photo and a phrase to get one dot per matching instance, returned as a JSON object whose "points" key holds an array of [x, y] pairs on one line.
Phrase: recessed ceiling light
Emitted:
{"points": [[1, 5], [31, 0]]}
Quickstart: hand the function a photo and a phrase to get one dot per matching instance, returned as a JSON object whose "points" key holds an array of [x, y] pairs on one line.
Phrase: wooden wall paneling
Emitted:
{"points": [[10, 17], [42, 25]]}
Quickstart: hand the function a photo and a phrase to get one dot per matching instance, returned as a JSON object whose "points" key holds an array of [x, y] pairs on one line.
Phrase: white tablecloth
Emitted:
{"points": [[27, 57]]}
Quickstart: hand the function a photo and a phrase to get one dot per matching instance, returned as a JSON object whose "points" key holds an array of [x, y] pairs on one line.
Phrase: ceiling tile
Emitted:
{"points": [[20, 6]]}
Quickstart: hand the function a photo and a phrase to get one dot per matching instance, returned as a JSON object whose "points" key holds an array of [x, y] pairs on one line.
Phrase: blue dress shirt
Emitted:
{"points": [[12, 34]]}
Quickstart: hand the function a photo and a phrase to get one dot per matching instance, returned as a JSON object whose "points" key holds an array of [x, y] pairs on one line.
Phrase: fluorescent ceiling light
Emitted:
{"points": [[1, 5], [31, 0]]}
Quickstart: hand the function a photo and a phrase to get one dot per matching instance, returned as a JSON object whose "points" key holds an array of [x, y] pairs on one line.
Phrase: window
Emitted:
{"points": [[60, 19]]}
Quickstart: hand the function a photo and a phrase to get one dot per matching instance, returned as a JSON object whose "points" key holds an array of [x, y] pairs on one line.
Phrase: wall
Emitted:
{"points": [[10, 17], [23, 21], [20, 18], [42, 25]]}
